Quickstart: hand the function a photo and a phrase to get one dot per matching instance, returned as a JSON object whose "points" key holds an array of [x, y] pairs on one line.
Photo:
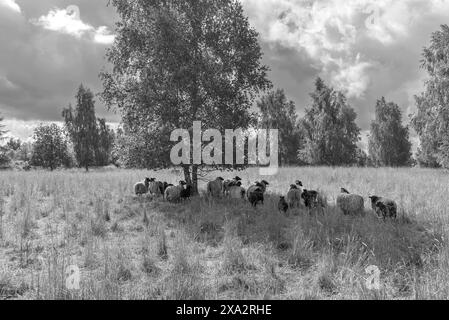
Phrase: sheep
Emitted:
{"points": [[215, 188], [261, 185], [186, 193], [294, 196], [256, 196], [350, 204], [237, 191], [156, 188], [283, 205], [173, 193], [313, 199], [141, 188], [384, 207], [228, 184]]}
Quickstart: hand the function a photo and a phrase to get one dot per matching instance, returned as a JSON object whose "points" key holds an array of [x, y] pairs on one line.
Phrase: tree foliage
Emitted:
{"points": [[389, 143], [50, 147], [276, 112], [179, 61], [431, 121], [92, 139], [331, 134]]}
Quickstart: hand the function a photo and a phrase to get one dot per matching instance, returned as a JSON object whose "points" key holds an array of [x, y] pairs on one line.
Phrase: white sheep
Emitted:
{"points": [[350, 204], [141, 188]]}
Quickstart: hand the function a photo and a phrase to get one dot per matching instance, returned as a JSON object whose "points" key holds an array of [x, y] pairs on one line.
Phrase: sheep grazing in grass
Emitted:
{"points": [[156, 188], [228, 184], [173, 193], [384, 208], [215, 188], [259, 185], [350, 204], [141, 188], [283, 205], [237, 191], [294, 196], [256, 196], [313, 199]]}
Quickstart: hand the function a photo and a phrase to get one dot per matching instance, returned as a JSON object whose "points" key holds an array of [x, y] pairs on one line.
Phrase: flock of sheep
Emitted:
{"points": [[297, 196]]}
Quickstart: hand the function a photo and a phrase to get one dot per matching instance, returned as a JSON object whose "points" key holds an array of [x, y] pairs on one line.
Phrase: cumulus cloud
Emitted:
{"points": [[11, 5], [68, 21], [366, 48]]}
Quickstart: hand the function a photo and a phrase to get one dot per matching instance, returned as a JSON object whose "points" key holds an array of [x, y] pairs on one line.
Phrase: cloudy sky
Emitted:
{"points": [[367, 48]]}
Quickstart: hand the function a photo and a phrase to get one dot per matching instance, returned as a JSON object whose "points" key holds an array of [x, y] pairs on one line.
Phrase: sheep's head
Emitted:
{"points": [[182, 183], [239, 184], [374, 199], [299, 183], [238, 178], [264, 182], [343, 190], [220, 179]]}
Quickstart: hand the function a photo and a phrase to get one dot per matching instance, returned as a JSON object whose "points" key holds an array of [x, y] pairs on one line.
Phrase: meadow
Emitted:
{"points": [[141, 248]]}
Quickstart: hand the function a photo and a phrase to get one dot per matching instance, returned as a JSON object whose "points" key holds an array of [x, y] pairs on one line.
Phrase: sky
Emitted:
{"points": [[367, 49]]}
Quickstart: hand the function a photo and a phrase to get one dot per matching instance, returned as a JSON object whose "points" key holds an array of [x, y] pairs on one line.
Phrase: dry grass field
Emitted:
{"points": [[131, 248]]}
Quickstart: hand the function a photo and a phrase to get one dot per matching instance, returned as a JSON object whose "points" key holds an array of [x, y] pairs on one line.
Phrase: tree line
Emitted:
{"points": [[84, 141], [176, 62]]}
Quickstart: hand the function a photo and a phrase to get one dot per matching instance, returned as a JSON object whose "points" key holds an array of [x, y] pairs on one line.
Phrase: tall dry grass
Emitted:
{"points": [[139, 248]]}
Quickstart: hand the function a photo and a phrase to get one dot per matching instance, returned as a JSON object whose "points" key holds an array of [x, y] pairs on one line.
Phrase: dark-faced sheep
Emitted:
{"points": [[228, 184], [350, 204], [259, 185], [173, 193], [215, 188], [141, 188], [384, 208], [313, 199]]}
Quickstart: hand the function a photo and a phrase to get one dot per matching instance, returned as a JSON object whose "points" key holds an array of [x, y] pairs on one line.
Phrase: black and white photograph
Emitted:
{"points": [[224, 151]]}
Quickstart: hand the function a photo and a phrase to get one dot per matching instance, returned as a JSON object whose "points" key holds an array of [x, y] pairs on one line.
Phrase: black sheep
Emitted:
{"points": [[186, 193], [255, 197]]}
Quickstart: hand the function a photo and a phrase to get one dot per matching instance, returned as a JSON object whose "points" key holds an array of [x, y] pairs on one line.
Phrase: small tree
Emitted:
{"points": [[331, 134], [389, 143], [90, 148], [279, 113], [50, 147]]}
